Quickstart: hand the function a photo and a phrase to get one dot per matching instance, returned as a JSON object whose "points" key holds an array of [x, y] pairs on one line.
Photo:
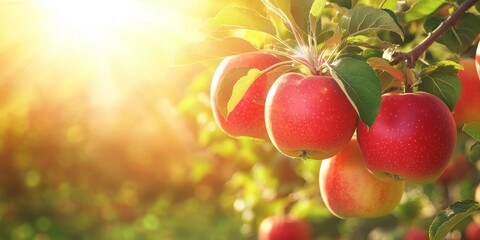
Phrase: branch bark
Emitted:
{"points": [[412, 56]]}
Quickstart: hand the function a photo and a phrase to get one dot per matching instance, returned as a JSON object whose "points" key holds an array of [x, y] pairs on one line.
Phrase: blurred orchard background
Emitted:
{"points": [[103, 137]]}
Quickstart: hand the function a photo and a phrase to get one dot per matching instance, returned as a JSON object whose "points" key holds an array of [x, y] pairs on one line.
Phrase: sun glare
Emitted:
{"points": [[103, 53], [118, 44], [90, 19]]}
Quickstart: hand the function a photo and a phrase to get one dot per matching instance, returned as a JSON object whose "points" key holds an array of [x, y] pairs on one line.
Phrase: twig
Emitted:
{"points": [[412, 56]]}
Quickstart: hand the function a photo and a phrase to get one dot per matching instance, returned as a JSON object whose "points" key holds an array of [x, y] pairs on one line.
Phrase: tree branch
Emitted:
{"points": [[412, 56]]}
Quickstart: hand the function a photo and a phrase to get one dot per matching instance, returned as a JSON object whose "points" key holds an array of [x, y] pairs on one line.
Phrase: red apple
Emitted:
{"points": [[472, 231], [308, 117], [284, 228], [443, 11], [457, 169], [468, 105], [348, 189], [416, 234], [247, 119], [412, 138]]}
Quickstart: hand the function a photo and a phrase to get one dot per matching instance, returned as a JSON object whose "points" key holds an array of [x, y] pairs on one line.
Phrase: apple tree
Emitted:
{"points": [[362, 108]]}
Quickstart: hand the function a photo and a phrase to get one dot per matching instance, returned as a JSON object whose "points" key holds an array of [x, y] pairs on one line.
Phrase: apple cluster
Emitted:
{"points": [[310, 116]]}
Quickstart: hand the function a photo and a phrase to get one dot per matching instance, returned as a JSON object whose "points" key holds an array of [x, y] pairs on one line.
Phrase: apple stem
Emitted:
{"points": [[408, 88], [305, 49], [412, 56]]}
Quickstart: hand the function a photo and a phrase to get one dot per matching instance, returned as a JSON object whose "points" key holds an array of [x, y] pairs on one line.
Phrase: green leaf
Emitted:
{"points": [[365, 20], [324, 35], [344, 3], [370, 42], [239, 17], [387, 4], [421, 9], [331, 39], [241, 87], [362, 86], [432, 22], [442, 81], [226, 86], [317, 7], [315, 16], [475, 151], [300, 10], [472, 129], [450, 216], [459, 37], [296, 13], [395, 19], [213, 48], [283, 9]]}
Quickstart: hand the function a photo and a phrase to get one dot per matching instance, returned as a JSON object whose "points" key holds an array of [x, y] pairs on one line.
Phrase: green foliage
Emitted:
{"points": [[459, 37], [317, 7], [236, 78], [361, 83], [239, 17], [384, 4], [421, 9], [368, 21], [472, 129], [241, 88], [447, 218], [442, 81], [345, 3], [214, 48]]}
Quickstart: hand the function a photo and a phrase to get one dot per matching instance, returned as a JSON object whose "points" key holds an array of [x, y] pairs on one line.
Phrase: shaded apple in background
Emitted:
{"points": [[472, 231], [284, 228], [416, 234], [309, 117], [413, 137], [348, 189], [443, 11], [468, 105], [457, 169], [288, 180], [247, 119]]}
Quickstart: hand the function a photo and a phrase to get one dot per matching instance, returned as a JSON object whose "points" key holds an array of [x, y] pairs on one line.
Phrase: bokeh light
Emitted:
{"points": [[92, 144]]}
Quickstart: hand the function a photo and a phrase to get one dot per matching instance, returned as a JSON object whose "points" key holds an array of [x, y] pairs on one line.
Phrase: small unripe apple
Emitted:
{"points": [[348, 189], [309, 117], [443, 11], [248, 117], [468, 105], [412, 138], [472, 231], [416, 234], [284, 228], [457, 169]]}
